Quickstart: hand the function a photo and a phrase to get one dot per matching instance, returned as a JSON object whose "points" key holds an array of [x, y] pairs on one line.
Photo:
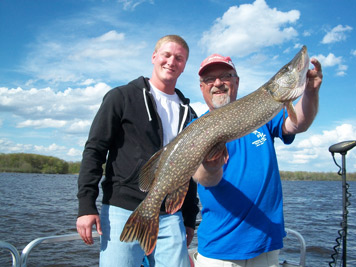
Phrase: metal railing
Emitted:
{"points": [[302, 248], [21, 260], [49, 239], [13, 251]]}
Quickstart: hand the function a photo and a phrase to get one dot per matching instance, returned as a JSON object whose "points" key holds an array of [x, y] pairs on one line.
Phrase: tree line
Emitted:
{"points": [[34, 163]]}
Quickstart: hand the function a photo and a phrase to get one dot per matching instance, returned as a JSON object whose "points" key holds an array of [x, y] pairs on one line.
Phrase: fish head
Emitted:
{"points": [[290, 81]]}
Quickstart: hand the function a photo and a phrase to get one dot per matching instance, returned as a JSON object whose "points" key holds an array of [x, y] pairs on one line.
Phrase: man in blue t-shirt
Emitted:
{"points": [[240, 191]]}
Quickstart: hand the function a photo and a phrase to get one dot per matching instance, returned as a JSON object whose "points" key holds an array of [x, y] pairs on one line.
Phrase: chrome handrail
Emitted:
{"points": [[22, 260], [302, 249], [14, 253], [49, 239]]}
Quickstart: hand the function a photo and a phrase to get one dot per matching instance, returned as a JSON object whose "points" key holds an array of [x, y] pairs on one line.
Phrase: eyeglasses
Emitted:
{"points": [[223, 77]]}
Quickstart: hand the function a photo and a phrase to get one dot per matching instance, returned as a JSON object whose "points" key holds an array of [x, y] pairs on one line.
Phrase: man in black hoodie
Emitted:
{"points": [[133, 122]]}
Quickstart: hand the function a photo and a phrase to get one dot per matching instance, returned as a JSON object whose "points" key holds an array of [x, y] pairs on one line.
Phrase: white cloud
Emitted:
{"points": [[307, 33], [79, 126], [46, 106], [353, 52], [132, 4], [248, 28], [51, 148], [74, 153], [312, 153], [337, 34], [199, 108], [8, 146], [330, 61], [45, 123], [101, 57], [88, 82]]}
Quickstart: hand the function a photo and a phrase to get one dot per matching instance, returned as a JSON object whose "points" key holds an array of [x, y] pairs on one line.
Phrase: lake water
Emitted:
{"points": [[37, 205]]}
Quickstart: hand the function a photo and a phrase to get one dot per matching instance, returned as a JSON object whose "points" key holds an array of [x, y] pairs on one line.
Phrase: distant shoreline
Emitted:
{"points": [[285, 175], [315, 176], [34, 163]]}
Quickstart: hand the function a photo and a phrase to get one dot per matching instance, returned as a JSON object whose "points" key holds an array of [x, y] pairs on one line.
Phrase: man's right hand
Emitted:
{"points": [[210, 171], [84, 227]]}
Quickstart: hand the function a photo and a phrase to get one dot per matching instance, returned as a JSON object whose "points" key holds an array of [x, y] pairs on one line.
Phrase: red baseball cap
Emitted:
{"points": [[215, 59]]}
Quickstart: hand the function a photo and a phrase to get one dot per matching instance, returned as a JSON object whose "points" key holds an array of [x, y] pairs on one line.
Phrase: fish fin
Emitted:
{"points": [[291, 112], [141, 228], [216, 151], [174, 200], [147, 173]]}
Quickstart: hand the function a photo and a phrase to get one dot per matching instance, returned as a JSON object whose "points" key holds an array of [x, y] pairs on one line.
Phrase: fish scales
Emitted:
{"points": [[166, 175]]}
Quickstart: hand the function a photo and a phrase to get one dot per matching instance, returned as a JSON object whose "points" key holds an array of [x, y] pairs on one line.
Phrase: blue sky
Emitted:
{"points": [[59, 57]]}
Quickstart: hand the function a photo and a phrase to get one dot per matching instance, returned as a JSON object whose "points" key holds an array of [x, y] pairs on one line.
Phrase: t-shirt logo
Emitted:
{"points": [[261, 138]]}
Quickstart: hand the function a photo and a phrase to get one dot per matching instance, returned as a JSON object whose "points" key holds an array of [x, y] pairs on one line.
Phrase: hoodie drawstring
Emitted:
{"points": [[186, 108], [146, 104]]}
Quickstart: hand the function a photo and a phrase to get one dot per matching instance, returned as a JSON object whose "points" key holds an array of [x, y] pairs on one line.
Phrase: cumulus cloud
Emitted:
{"points": [[313, 152], [8, 146], [100, 57], [74, 153], [60, 151], [46, 115], [247, 28], [199, 107], [45, 123], [330, 61], [337, 34], [41, 106]]}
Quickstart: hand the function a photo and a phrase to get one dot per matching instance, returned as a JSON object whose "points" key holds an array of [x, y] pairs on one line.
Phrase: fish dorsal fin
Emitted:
{"points": [[291, 112], [147, 173]]}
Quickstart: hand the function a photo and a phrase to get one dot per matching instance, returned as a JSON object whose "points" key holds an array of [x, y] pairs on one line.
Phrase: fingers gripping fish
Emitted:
{"points": [[166, 175]]}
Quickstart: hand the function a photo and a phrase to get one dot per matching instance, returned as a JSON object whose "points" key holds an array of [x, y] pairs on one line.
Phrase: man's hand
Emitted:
{"points": [[84, 227], [190, 234], [307, 107], [210, 171]]}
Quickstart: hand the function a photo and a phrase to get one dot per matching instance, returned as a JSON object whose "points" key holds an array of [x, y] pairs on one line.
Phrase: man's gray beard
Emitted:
{"points": [[220, 100]]}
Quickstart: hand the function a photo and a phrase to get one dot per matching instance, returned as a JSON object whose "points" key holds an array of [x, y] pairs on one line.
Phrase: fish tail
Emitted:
{"points": [[141, 228]]}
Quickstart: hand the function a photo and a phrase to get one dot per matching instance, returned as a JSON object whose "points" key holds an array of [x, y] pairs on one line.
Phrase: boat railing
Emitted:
{"points": [[49, 239], [302, 249], [21, 260], [13, 251]]}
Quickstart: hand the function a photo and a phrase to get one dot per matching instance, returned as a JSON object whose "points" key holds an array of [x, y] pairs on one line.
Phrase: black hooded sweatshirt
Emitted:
{"points": [[125, 133]]}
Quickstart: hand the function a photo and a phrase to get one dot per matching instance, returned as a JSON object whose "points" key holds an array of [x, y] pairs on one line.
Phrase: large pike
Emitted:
{"points": [[166, 175]]}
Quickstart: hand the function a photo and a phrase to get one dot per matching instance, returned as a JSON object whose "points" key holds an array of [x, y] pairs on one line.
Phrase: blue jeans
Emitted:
{"points": [[171, 248]]}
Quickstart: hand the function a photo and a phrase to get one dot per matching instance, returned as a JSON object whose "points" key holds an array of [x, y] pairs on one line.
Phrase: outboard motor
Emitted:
{"points": [[342, 148]]}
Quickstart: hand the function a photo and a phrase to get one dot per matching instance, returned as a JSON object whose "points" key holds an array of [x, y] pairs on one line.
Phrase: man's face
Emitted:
{"points": [[219, 85], [169, 61]]}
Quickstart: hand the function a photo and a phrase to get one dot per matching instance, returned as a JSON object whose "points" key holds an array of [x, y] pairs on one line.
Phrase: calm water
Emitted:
{"points": [[36, 205]]}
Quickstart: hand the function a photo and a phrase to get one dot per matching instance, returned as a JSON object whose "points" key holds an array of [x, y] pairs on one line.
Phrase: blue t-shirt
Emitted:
{"points": [[242, 216]]}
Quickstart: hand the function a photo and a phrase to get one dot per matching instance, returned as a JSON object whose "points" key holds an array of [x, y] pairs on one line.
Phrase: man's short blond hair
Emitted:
{"points": [[172, 38]]}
